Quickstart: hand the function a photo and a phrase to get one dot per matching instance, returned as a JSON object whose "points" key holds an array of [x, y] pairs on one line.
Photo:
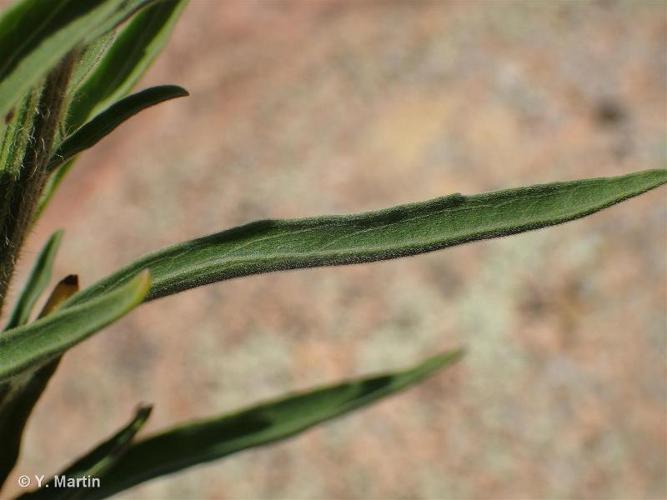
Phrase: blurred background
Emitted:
{"points": [[301, 108]]}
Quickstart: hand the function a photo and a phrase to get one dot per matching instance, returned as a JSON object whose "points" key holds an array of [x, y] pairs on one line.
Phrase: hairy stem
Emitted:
{"points": [[20, 187]]}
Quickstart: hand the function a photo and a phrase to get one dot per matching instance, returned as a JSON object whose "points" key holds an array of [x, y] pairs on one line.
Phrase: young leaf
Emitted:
{"points": [[30, 346], [36, 34], [37, 281], [126, 60], [207, 440], [273, 245], [104, 123], [94, 463]]}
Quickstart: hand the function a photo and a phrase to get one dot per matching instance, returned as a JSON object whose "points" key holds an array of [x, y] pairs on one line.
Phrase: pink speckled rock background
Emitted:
{"points": [[309, 107]]}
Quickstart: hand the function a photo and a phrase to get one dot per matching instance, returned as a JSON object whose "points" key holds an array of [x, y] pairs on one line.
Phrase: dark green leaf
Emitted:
{"points": [[104, 123], [110, 67], [207, 440], [126, 60], [17, 400], [30, 346], [36, 34], [37, 281], [274, 245], [94, 463]]}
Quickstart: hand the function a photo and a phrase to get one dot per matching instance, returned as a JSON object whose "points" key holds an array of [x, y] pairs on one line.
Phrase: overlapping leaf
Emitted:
{"points": [[32, 345], [274, 245], [19, 395], [36, 34], [110, 67], [93, 464], [207, 440], [125, 61], [108, 120], [37, 282]]}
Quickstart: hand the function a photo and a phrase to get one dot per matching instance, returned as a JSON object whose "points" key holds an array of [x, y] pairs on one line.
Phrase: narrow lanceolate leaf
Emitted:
{"points": [[37, 281], [207, 440], [19, 395], [104, 123], [109, 69], [93, 464], [36, 34], [274, 245], [32, 345], [125, 61]]}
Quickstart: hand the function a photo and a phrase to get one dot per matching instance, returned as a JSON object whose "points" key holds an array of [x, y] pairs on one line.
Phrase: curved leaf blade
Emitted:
{"points": [[275, 245], [108, 70], [93, 463], [207, 440], [39, 278], [133, 51], [107, 121], [30, 346], [35, 35]]}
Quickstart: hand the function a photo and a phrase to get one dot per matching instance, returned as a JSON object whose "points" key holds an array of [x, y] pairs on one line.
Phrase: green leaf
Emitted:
{"points": [[36, 34], [17, 135], [274, 245], [126, 60], [107, 121], [17, 400], [199, 442], [110, 67], [30, 346], [94, 463], [19, 395], [37, 281], [88, 58]]}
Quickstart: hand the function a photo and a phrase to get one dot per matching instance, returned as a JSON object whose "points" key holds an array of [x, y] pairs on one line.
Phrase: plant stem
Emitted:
{"points": [[20, 187]]}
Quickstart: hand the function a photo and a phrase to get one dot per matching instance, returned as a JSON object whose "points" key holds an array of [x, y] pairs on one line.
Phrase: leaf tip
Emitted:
{"points": [[174, 90], [143, 411], [447, 358], [71, 280]]}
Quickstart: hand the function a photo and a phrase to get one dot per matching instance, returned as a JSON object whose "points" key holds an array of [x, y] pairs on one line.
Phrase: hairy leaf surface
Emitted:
{"points": [[110, 68], [207, 440], [125, 61], [274, 245], [33, 345], [36, 34]]}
